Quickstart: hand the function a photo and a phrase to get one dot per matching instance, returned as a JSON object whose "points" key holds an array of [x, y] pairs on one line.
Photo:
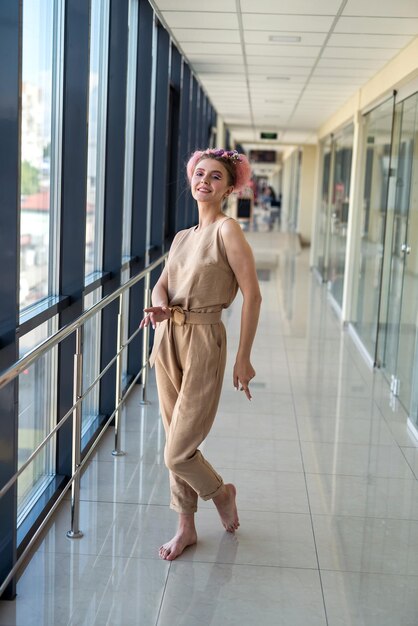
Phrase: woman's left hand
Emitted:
{"points": [[243, 373]]}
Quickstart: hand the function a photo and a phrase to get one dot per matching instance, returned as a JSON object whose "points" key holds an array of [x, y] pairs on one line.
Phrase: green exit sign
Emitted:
{"points": [[268, 135]]}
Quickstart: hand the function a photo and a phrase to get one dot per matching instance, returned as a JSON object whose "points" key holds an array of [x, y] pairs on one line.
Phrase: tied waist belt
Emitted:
{"points": [[180, 317]]}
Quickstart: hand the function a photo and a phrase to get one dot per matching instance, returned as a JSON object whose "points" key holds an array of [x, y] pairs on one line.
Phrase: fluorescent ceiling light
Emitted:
{"points": [[278, 77], [285, 38]]}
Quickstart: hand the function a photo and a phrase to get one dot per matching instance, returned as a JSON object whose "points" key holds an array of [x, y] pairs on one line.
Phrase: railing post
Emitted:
{"points": [[119, 367], [75, 532], [145, 340]]}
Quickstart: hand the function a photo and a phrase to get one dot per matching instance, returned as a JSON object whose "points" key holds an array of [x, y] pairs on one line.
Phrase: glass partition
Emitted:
{"points": [[338, 223], [398, 313], [407, 247], [368, 277], [321, 260], [295, 165]]}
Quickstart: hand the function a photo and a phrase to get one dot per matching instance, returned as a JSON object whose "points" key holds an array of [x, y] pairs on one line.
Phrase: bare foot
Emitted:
{"points": [[181, 540], [227, 508]]}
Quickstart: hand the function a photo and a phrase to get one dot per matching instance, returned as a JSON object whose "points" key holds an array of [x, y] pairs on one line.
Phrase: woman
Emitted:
{"points": [[206, 266]]}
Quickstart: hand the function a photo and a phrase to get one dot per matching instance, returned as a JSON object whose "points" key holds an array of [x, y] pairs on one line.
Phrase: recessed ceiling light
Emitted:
{"points": [[285, 38], [278, 77]]}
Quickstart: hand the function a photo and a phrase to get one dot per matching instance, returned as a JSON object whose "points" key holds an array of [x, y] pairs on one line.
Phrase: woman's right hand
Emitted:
{"points": [[155, 314]]}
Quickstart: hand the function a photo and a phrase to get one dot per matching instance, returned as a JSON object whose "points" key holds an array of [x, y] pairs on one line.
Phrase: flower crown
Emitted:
{"points": [[232, 155], [241, 166]]}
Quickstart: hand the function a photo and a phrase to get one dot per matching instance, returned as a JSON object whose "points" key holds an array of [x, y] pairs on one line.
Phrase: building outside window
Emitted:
{"points": [[40, 148], [40, 172], [96, 156], [99, 45]]}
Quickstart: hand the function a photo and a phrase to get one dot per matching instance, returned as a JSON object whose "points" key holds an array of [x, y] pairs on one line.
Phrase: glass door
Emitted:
{"points": [[399, 302], [321, 261], [343, 152], [407, 347], [368, 277]]}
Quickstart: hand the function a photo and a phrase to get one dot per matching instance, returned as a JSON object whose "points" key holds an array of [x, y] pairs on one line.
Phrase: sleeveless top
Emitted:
{"points": [[199, 275]]}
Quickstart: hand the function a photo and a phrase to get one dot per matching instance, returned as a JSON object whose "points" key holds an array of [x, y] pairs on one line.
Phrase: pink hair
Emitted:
{"points": [[240, 165]]}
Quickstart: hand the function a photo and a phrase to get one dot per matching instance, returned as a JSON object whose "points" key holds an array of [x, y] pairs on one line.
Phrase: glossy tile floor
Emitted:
{"points": [[326, 474]]}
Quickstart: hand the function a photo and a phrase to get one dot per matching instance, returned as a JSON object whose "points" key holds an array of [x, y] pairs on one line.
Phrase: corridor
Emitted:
{"points": [[326, 475]]}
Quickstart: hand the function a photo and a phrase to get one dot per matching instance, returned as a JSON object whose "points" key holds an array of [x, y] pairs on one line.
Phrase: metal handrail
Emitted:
{"points": [[10, 373], [78, 396]]}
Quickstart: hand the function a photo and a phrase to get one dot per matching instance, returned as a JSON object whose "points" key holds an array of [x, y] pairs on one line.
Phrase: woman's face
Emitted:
{"points": [[210, 181]]}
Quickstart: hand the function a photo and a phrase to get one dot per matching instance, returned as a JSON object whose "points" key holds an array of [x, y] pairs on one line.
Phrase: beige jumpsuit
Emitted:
{"points": [[189, 354]]}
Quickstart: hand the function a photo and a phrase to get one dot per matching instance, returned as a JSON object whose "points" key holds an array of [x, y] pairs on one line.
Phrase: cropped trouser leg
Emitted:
{"points": [[189, 368]]}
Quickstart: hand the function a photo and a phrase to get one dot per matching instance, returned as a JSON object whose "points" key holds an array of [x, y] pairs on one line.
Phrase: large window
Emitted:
{"points": [[91, 361], [42, 63], [40, 148], [129, 166], [96, 156], [99, 43], [37, 416]]}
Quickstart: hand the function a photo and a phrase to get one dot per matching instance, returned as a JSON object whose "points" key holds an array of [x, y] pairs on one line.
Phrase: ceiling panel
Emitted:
{"points": [[322, 98], [285, 70], [370, 64], [209, 68], [297, 23], [382, 8], [280, 51], [378, 25], [218, 6], [261, 95], [336, 54], [341, 71], [277, 94], [233, 59], [207, 48], [324, 89], [369, 40], [288, 62], [215, 82], [206, 35], [202, 19], [358, 53], [321, 7], [297, 137]]}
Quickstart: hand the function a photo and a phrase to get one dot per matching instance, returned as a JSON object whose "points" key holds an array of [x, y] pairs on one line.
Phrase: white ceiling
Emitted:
{"points": [[289, 87]]}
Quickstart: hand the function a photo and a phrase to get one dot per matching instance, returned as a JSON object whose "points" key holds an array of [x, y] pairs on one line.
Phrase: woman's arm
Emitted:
{"points": [[241, 260], [159, 296], [159, 310]]}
